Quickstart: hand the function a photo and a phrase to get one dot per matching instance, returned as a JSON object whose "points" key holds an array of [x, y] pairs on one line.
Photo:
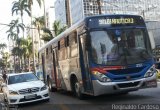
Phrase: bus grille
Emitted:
{"points": [[126, 78], [126, 71], [131, 84], [29, 90]]}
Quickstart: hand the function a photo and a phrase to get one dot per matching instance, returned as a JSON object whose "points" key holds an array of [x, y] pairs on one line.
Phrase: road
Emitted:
{"points": [[66, 101]]}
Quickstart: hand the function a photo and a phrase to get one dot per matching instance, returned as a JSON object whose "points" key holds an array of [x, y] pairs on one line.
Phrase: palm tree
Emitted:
{"points": [[47, 35], [30, 4], [26, 47], [17, 52], [20, 6], [5, 59], [58, 29], [14, 30], [15, 27], [12, 35], [3, 46], [39, 23]]}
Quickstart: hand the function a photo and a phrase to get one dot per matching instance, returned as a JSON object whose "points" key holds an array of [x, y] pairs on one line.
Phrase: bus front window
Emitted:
{"points": [[130, 47]]}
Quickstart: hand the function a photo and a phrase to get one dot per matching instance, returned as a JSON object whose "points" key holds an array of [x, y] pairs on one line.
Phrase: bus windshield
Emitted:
{"points": [[120, 46]]}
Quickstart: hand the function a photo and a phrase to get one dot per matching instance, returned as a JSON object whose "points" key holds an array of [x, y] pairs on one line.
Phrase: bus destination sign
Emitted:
{"points": [[114, 21], [109, 21]]}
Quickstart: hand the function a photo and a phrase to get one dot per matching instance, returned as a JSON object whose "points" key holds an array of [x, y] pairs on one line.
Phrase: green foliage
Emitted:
{"points": [[24, 47], [2, 46], [30, 2], [58, 28], [4, 62], [14, 29], [39, 22], [19, 7]]}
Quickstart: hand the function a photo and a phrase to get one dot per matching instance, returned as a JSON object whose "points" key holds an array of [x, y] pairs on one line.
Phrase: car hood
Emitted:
{"points": [[25, 85]]}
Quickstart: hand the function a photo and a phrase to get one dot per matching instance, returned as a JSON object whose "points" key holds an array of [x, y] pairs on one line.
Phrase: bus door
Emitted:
{"points": [[57, 70], [43, 68], [54, 72], [87, 83]]}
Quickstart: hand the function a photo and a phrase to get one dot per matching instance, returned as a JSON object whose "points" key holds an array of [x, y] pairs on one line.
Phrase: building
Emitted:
{"points": [[79, 9], [154, 29]]}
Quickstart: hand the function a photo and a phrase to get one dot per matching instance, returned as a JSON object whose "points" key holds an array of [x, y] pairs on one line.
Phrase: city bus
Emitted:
{"points": [[100, 55]]}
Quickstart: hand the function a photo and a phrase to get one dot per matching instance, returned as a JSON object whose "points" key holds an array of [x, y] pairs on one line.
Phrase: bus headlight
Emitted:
{"points": [[150, 72], [101, 77]]}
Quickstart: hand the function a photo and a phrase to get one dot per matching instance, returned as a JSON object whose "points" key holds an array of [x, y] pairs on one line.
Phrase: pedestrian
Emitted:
{"points": [[4, 76]]}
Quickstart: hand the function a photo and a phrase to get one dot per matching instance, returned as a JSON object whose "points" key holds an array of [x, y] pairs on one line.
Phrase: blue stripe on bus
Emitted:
{"points": [[134, 76]]}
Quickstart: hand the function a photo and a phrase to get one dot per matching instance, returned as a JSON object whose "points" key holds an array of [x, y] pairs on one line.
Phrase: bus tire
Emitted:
{"points": [[77, 90]]}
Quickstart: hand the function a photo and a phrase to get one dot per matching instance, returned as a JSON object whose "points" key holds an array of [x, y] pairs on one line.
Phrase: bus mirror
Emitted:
{"points": [[151, 39]]}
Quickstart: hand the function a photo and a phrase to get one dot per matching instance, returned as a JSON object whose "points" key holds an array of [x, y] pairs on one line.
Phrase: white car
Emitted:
{"points": [[39, 74], [24, 88]]}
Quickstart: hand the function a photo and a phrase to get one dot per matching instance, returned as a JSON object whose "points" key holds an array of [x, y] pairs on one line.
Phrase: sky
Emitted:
{"points": [[5, 11], [6, 16]]}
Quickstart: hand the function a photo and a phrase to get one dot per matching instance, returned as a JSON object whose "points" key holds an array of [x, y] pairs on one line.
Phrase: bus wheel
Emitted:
{"points": [[77, 90]]}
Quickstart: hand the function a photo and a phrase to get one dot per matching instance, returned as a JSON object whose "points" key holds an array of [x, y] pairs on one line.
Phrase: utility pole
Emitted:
{"points": [[44, 9], [143, 14], [68, 13], [99, 7]]}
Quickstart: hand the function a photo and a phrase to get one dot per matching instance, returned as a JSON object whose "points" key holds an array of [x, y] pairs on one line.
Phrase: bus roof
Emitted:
{"points": [[73, 27]]}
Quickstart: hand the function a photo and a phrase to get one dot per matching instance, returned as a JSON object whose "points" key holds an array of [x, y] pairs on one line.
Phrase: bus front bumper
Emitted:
{"points": [[126, 86]]}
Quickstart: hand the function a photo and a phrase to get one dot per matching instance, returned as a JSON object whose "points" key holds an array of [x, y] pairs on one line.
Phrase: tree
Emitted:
{"points": [[3, 46], [26, 45], [30, 4], [13, 32], [58, 29], [39, 22], [5, 60], [19, 7], [15, 27], [12, 35]]}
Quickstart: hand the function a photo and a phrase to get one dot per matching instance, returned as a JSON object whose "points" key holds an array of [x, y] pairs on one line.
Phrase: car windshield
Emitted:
{"points": [[22, 78], [120, 47], [39, 75]]}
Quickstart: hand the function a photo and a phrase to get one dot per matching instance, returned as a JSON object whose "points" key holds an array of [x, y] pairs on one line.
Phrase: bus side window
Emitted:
{"points": [[62, 50], [73, 45], [46, 51]]}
